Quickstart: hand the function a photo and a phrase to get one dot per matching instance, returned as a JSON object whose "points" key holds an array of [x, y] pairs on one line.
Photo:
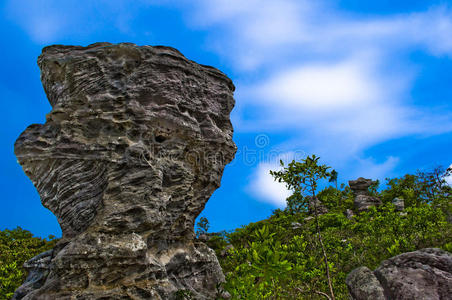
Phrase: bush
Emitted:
{"points": [[16, 247]]}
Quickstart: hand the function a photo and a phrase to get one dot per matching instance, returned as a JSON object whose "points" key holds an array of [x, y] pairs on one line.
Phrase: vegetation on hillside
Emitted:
{"points": [[300, 252], [16, 247], [282, 257]]}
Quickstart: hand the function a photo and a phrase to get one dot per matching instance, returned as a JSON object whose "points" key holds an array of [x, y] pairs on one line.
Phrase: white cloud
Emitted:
{"points": [[320, 86], [39, 19], [255, 34], [449, 178], [265, 188], [336, 82], [368, 168], [52, 21]]}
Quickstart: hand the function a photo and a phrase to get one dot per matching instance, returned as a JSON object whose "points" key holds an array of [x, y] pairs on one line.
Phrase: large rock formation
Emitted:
{"points": [[363, 200], [133, 148], [423, 274]]}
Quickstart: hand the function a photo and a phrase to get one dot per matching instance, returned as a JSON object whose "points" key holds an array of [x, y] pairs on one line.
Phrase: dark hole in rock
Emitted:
{"points": [[160, 138]]}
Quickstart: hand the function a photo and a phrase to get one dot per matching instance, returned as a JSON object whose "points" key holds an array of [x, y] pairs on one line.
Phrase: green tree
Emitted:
{"points": [[303, 179], [333, 177], [16, 247], [202, 226], [279, 258]]}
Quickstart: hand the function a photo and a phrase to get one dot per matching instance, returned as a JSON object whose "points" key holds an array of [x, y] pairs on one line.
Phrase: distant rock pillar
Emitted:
{"points": [[363, 200], [399, 204]]}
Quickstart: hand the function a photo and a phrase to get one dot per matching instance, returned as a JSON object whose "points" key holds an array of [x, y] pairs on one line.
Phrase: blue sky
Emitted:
{"points": [[366, 85]]}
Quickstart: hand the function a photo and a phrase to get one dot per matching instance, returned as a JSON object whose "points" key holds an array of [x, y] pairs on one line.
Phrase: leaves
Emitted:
{"points": [[16, 247], [272, 259]]}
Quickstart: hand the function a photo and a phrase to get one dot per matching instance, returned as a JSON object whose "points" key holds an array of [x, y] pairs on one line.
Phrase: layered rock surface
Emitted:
{"points": [[423, 274], [133, 148], [363, 200]]}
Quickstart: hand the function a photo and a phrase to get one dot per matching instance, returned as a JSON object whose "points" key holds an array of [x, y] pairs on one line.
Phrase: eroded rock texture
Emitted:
{"points": [[363, 200], [133, 148], [423, 274]]}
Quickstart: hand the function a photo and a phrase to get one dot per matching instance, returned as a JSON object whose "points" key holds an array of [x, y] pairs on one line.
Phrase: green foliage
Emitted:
{"points": [[424, 187], [272, 259], [202, 226], [303, 178], [16, 247], [217, 241]]}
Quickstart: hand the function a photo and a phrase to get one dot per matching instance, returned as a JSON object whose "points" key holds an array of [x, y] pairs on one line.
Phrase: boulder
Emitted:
{"points": [[349, 214], [314, 204], [363, 200], [227, 251], [423, 274], [135, 144], [296, 225], [399, 204], [363, 284]]}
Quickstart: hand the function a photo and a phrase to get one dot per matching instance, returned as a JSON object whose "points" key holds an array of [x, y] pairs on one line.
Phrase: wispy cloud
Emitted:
{"points": [[449, 178], [264, 188], [323, 86], [51, 21], [336, 83], [339, 82], [41, 20]]}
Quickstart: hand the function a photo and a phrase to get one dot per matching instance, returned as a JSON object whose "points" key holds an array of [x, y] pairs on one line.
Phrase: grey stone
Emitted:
{"points": [[363, 200], [423, 274], [314, 204], [364, 285], [296, 225], [399, 204], [135, 144], [203, 238], [349, 214], [226, 251], [38, 269]]}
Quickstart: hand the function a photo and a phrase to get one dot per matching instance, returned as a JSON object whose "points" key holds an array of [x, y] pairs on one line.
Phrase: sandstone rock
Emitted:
{"points": [[203, 238], [423, 274], [296, 225], [399, 204], [349, 214], [226, 251], [316, 203], [363, 284], [133, 148], [39, 270], [363, 200]]}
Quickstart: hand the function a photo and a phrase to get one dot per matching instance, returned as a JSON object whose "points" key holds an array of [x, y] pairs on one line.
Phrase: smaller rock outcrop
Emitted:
{"points": [[399, 204], [349, 214], [363, 200], [38, 269], [315, 203], [296, 225], [422, 274]]}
